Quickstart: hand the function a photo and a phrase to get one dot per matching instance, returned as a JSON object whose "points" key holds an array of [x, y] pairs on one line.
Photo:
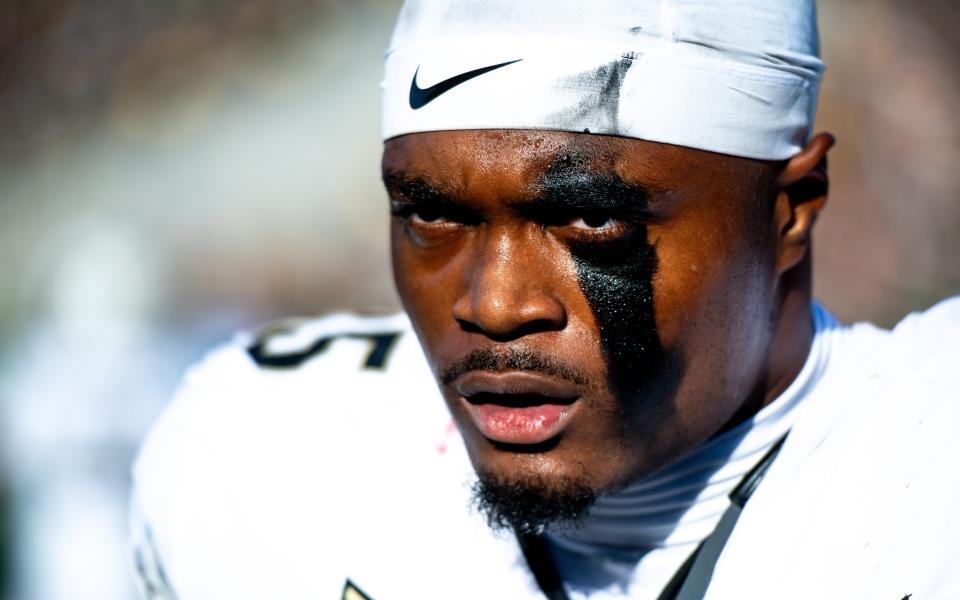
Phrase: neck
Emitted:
{"points": [[792, 330]]}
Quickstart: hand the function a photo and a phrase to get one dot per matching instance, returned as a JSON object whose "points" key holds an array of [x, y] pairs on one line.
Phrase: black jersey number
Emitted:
{"points": [[380, 346]]}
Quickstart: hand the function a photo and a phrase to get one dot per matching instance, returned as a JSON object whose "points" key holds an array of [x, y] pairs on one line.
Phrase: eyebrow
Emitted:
{"points": [[575, 187], [417, 189], [562, 188]]}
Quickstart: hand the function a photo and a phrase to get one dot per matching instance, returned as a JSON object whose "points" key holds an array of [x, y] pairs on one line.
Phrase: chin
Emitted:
{"points": [[550, 486], [530, 502]]}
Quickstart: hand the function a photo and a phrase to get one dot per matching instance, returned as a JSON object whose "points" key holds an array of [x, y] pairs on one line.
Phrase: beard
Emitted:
{"points": [[532, 505]]}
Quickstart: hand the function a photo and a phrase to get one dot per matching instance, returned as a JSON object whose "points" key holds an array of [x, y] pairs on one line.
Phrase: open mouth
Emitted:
{"points": [[517, 407]]}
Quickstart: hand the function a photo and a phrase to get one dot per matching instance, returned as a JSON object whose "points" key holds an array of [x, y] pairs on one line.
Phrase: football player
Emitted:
{"points": [[610, 379]]}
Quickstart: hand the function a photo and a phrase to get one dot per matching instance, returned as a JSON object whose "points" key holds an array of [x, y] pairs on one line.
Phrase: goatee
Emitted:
{"points": [[532, 505]]}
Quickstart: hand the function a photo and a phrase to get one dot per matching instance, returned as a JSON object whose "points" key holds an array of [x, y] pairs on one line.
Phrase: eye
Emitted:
{"points": [[425, 215], [594, 226], [594, 223], [427, 225], [422, 215]]}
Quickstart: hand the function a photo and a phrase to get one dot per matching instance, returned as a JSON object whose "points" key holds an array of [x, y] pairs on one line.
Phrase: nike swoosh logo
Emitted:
{"points": [[420, 97]]}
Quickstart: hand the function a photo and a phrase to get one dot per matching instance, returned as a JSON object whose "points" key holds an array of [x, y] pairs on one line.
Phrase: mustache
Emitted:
{"points": [[512, 359]]}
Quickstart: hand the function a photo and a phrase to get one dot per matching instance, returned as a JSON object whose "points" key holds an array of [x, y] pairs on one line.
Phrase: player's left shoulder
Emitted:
{"points": [[930, 337], [921, 354], [861, 498]]}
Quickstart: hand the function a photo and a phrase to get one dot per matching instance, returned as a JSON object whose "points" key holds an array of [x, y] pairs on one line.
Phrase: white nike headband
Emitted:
{"points": [[738, 77]]}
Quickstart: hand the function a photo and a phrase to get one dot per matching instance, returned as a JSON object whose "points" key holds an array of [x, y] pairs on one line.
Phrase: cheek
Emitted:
{"points": [[428, 284], [421, 278], [413, 279], [711, 289], [396, 255], [713, 302], [400, 261]]}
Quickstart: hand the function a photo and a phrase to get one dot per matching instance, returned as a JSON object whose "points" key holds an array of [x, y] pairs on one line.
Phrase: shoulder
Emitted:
{"points": [[914, 363], [305, 455], [268, 440], [859, 503], [867, 362], [929, 339], [895, 382], [325, 374]]}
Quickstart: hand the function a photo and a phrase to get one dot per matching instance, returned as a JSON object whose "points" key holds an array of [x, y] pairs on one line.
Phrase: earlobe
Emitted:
{"points": [[802, 193]]}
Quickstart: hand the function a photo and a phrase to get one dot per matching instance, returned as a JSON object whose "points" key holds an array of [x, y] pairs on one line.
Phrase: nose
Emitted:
{"points": [[507, 291]]}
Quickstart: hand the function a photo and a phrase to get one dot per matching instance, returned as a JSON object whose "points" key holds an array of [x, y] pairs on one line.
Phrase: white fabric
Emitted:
{"points": [[738, 77], [268, 483]]}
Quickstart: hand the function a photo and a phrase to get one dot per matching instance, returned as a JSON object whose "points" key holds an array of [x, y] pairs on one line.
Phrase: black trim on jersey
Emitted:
{"points": [[691, 579], [544, 570], [151, 574]]}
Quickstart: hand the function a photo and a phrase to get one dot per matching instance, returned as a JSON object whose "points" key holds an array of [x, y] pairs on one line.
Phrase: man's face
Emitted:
{"points": [[593, 307]]}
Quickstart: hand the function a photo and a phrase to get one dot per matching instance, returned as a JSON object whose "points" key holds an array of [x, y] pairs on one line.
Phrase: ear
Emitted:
{"points": [[801, 194]]}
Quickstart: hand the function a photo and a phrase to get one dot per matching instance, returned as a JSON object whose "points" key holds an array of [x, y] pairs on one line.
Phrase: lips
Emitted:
{"points": [[517, 407]]}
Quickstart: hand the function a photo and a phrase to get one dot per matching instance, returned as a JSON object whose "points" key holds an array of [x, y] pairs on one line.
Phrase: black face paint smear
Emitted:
{"points": [[616, 278], [599, 111]]}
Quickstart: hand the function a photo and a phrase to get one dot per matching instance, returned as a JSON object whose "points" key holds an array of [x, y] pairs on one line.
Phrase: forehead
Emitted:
{"points": [[516, 159]]}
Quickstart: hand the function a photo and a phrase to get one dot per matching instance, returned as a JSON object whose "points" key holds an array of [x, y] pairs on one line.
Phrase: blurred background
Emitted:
{"points": [[173, 171]]}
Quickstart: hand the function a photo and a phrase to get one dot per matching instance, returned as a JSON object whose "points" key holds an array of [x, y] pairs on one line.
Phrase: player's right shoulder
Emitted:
{"points": [[280, 417], [324, 359], [329, 369]]}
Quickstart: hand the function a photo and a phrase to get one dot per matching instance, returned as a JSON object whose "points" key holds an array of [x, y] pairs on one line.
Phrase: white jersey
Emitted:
{"points": [[318, 461]]}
